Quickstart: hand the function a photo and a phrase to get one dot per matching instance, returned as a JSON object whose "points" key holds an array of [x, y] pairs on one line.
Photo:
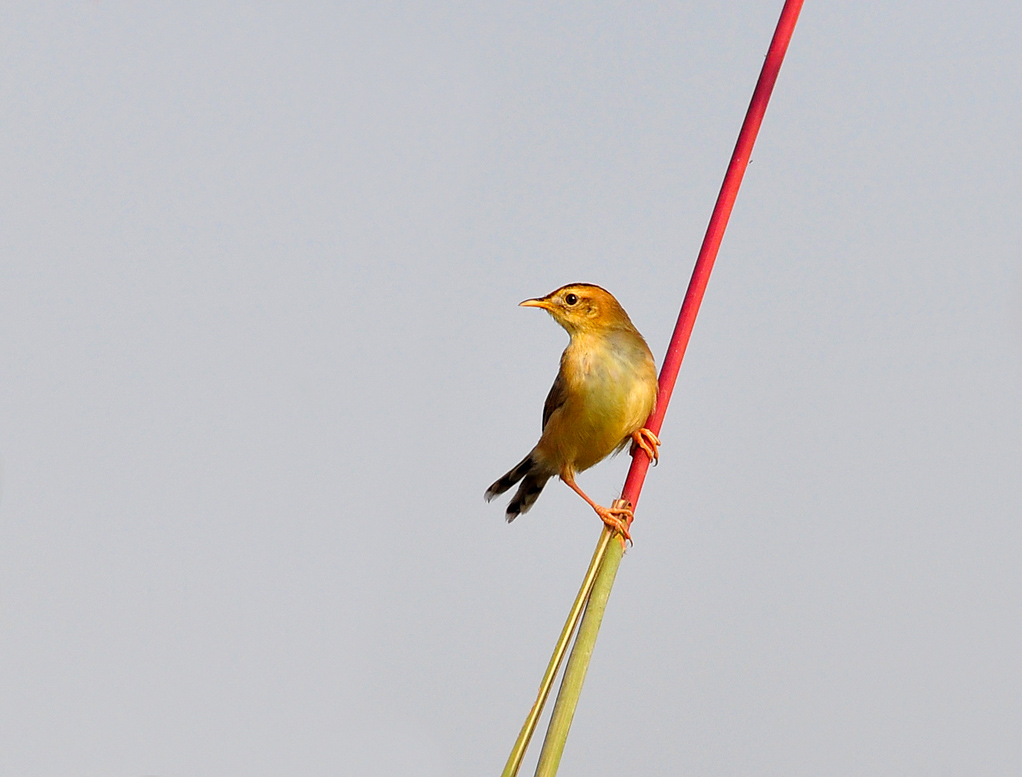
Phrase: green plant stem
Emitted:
{"points": [[578, 661], [514, 760]]}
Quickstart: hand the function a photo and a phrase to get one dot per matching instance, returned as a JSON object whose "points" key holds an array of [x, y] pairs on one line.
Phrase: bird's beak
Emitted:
{"points": [[541, 302]]}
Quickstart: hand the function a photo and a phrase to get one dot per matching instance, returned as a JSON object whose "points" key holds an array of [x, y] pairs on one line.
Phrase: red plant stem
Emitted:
{"points": [[714, 234]]}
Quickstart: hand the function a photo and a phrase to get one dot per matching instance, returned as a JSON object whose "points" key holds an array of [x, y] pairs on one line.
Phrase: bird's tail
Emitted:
{"points": [[533, 480], [519, 471]]}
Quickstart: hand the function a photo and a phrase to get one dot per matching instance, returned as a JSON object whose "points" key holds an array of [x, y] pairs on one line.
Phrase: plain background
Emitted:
{"points": [[260, 356]]}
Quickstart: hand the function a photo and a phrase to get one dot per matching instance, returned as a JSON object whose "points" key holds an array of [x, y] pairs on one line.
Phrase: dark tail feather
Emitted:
{"points": [[528, 492], [526, 495], [503, 484]]}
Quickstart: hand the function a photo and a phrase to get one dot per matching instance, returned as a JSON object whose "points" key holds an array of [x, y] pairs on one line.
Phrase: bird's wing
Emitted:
{"points": [[557, 397]]}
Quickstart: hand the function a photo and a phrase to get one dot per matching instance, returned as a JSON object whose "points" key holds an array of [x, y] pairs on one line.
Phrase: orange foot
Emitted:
{"points": [[610, 516], [649, 442]]}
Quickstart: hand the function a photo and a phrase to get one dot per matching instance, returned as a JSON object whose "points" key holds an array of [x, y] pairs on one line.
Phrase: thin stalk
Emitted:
{"points": [[514, 760], [578, 661]]}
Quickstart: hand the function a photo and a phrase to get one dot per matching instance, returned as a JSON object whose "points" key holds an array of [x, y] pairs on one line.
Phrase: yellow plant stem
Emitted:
{"points": [[514, 761], [581, 652]]}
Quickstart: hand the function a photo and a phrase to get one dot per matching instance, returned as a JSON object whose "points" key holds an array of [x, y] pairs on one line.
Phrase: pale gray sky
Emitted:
{"points": [[260, 356]]}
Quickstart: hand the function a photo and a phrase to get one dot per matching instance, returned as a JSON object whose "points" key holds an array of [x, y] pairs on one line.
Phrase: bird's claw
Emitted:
{"points": [[609, 516], [648, 442]]}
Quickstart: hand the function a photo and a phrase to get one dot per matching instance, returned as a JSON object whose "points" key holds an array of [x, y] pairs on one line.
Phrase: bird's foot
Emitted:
{"points": [[612, 517], [649, 443]]}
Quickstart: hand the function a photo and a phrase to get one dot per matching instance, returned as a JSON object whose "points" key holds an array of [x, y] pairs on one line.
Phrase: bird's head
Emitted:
{"points": [[582, 307]]}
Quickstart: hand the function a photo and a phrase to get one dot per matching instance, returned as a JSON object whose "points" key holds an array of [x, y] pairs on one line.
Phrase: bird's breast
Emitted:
{"points": [[611, 390]]}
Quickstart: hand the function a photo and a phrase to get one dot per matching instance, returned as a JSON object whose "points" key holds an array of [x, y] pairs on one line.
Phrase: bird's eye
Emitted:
{"points": [[570, 299]]}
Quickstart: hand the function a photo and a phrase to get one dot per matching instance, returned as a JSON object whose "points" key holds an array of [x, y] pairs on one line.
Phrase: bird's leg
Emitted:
{"points": [[649, 442], [609, 515]]}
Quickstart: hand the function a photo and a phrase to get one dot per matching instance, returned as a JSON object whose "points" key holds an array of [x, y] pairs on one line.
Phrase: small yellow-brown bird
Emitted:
{"points": [[603, 394]]}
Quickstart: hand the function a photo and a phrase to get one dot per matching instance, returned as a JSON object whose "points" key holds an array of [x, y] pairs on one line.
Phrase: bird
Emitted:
{"points": [[603, 394]]}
